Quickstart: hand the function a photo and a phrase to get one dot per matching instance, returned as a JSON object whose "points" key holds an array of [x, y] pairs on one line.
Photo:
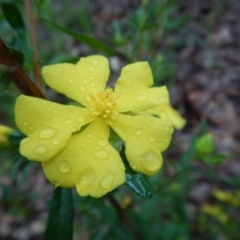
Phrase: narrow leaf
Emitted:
{"points": [[60, 218], [91, 42], [136, 181], [139, 184], [12, 14]]}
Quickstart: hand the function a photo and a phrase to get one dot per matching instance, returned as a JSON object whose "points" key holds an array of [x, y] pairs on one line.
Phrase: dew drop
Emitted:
{"points": [[70, 80], [94, 62], [56, 142], [93, 84], [91, 69], [151, 161], [107, 181], [55, 119], [139, 132], [40, 149], [47, 133], [151, 138], [81, 120], [141, 98], [25, 140], [68, 121], [64, 167], [102, 142], [128, 82], [86, 180], [25, 123], [80, 151], [102, 154], [90, 77], [82, 88], [59, 69]]}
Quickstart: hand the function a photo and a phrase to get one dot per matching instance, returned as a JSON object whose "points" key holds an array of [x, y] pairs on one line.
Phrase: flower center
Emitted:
{"points": [[104, 104]]}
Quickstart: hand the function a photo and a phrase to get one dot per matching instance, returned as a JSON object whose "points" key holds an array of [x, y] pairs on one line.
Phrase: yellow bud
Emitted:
{"points": [[5, 131]]}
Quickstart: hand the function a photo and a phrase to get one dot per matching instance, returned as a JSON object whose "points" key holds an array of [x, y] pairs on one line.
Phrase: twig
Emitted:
{"points": [[124, 217], [14, 71], [32, 26]]}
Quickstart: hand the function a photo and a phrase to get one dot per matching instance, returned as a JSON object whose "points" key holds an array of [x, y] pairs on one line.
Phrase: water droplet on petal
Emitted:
{"points": [[93, 84], [80, 151], [151, 138], [70, 80], [107, 181], [25, 140], [90, 77], [25, 123], [59, 69], [91, 69], [81, 120], [47, 133], [141, 98], [151, 161], [55, 119], [82, 88], [56, 142], [64, 167], [94, 62], [128, 82], [102, 142], [40, 149], [86, 180], [68, 121], [139, 132], [102, 154]]}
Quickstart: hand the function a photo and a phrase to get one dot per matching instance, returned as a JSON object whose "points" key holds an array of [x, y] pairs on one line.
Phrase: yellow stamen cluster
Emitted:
{"points": [[104, 104]]}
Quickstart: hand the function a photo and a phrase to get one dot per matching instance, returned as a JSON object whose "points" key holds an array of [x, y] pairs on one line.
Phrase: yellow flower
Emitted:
{"points": [[5, 131], [167, 112], [83, 157]]}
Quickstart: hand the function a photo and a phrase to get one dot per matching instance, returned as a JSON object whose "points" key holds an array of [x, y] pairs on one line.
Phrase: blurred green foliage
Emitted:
{"points": [[145, 34]]}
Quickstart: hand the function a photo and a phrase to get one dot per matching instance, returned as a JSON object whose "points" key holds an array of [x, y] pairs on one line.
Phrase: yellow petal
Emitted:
{"points": [[77, 81], [134, 77], [48, 126], [168, 113], [144, 99], [145, 136], [88, 161]]}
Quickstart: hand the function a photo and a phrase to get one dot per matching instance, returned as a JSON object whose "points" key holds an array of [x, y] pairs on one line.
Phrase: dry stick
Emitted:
{"points": [[122, 215], [32, 26], [14, 71]]}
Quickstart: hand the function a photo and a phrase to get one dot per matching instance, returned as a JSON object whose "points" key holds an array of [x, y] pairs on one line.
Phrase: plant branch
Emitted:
{"points": [[32, 28], [124, 217], [14, 71]]}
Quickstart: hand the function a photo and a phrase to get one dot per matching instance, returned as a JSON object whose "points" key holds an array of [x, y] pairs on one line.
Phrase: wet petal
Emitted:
{"points": [[48, 126], [77, 81], [89, 162], [145, 136], [167, 112], [134, 78], [144, 99]]}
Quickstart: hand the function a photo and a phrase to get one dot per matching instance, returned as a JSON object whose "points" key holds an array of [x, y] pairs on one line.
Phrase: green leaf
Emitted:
{"points": [[215, 159], [4, 82], [91, 42], [15, 138], [60, 218], [12, 14], [17, 54], [139, 184], [136, 181]]}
